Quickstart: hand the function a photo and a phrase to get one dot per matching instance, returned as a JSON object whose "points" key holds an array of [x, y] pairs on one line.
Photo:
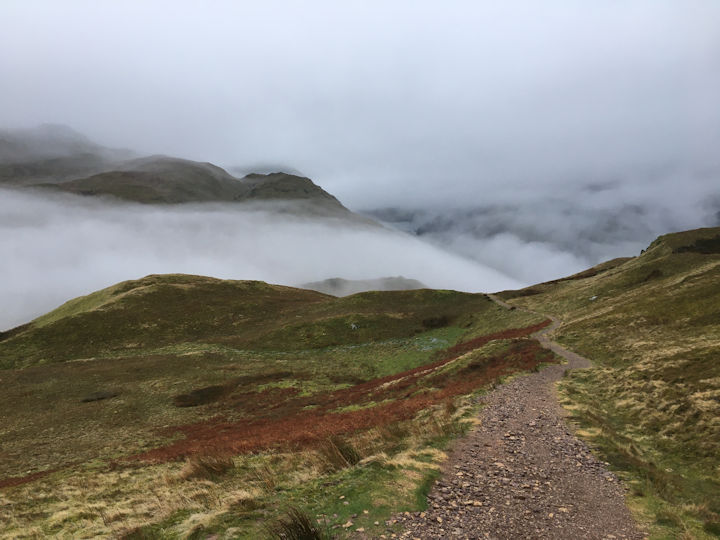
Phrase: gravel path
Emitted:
{"points": [[522, 474]]}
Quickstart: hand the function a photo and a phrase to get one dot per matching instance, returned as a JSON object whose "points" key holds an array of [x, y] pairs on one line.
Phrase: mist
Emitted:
{"points": [[536, 139], [59, 247], [381, 103], [538, 236]]}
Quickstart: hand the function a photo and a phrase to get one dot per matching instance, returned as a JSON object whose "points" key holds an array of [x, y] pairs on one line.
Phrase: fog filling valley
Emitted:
{"points": [[539, 236], [59, 247]]}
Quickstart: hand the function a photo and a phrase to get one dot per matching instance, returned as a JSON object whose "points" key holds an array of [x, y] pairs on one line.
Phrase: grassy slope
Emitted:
{"points": [[652, 324], [53, 169], [160, 311], [275, 353], [165, 180]]}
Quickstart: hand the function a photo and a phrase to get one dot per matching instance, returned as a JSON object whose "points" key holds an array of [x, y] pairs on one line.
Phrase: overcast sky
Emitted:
{"points": [[537, 138], [381, 102]]}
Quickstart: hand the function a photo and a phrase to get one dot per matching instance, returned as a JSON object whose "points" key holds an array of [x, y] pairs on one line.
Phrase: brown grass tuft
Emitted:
{"points": [[296, 525], [207, 467], [338, 454]]}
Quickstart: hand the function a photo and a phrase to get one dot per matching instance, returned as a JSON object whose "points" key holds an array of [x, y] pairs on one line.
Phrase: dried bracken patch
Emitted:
{"points": [[403, 396], [20, 480]]}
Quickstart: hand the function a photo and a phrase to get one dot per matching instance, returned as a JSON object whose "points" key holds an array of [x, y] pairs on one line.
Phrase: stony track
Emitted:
{"points": [[522, 474]]}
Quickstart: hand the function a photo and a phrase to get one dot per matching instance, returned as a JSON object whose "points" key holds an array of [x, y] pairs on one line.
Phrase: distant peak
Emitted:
{"points": [[64, 129], [257, 175], [263, 169]]}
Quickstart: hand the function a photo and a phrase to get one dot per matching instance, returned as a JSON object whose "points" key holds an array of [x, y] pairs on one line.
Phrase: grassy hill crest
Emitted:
{"points": [[162, 310]]}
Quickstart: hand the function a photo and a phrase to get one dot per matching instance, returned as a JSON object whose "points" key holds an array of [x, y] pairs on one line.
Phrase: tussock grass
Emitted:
{"points": [[339, 453], [208, 467], [296, 525]]}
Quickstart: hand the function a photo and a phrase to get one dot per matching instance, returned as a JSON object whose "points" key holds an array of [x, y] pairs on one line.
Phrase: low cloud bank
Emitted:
{"points": [[538, 235], [58, 247]]}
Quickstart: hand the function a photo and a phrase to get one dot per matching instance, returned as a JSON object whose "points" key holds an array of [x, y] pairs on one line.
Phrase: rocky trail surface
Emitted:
{"points": [[522, 474]]}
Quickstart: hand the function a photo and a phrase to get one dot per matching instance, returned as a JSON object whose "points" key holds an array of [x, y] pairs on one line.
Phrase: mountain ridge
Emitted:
{"points": [[60, 159]]}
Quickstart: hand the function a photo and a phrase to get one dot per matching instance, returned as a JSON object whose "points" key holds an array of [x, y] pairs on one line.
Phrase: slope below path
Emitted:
{"points": [[522, 473]]}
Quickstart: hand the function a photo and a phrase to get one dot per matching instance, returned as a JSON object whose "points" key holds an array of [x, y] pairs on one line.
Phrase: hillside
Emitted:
{"points": [[159, 179], [60, 159], [652, 325], [153, 312], [46, 141], [166, 180], [232, 400]]}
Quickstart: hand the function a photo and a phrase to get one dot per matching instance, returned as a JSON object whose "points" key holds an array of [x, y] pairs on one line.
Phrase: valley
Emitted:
{"points": [[359, 270]]}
